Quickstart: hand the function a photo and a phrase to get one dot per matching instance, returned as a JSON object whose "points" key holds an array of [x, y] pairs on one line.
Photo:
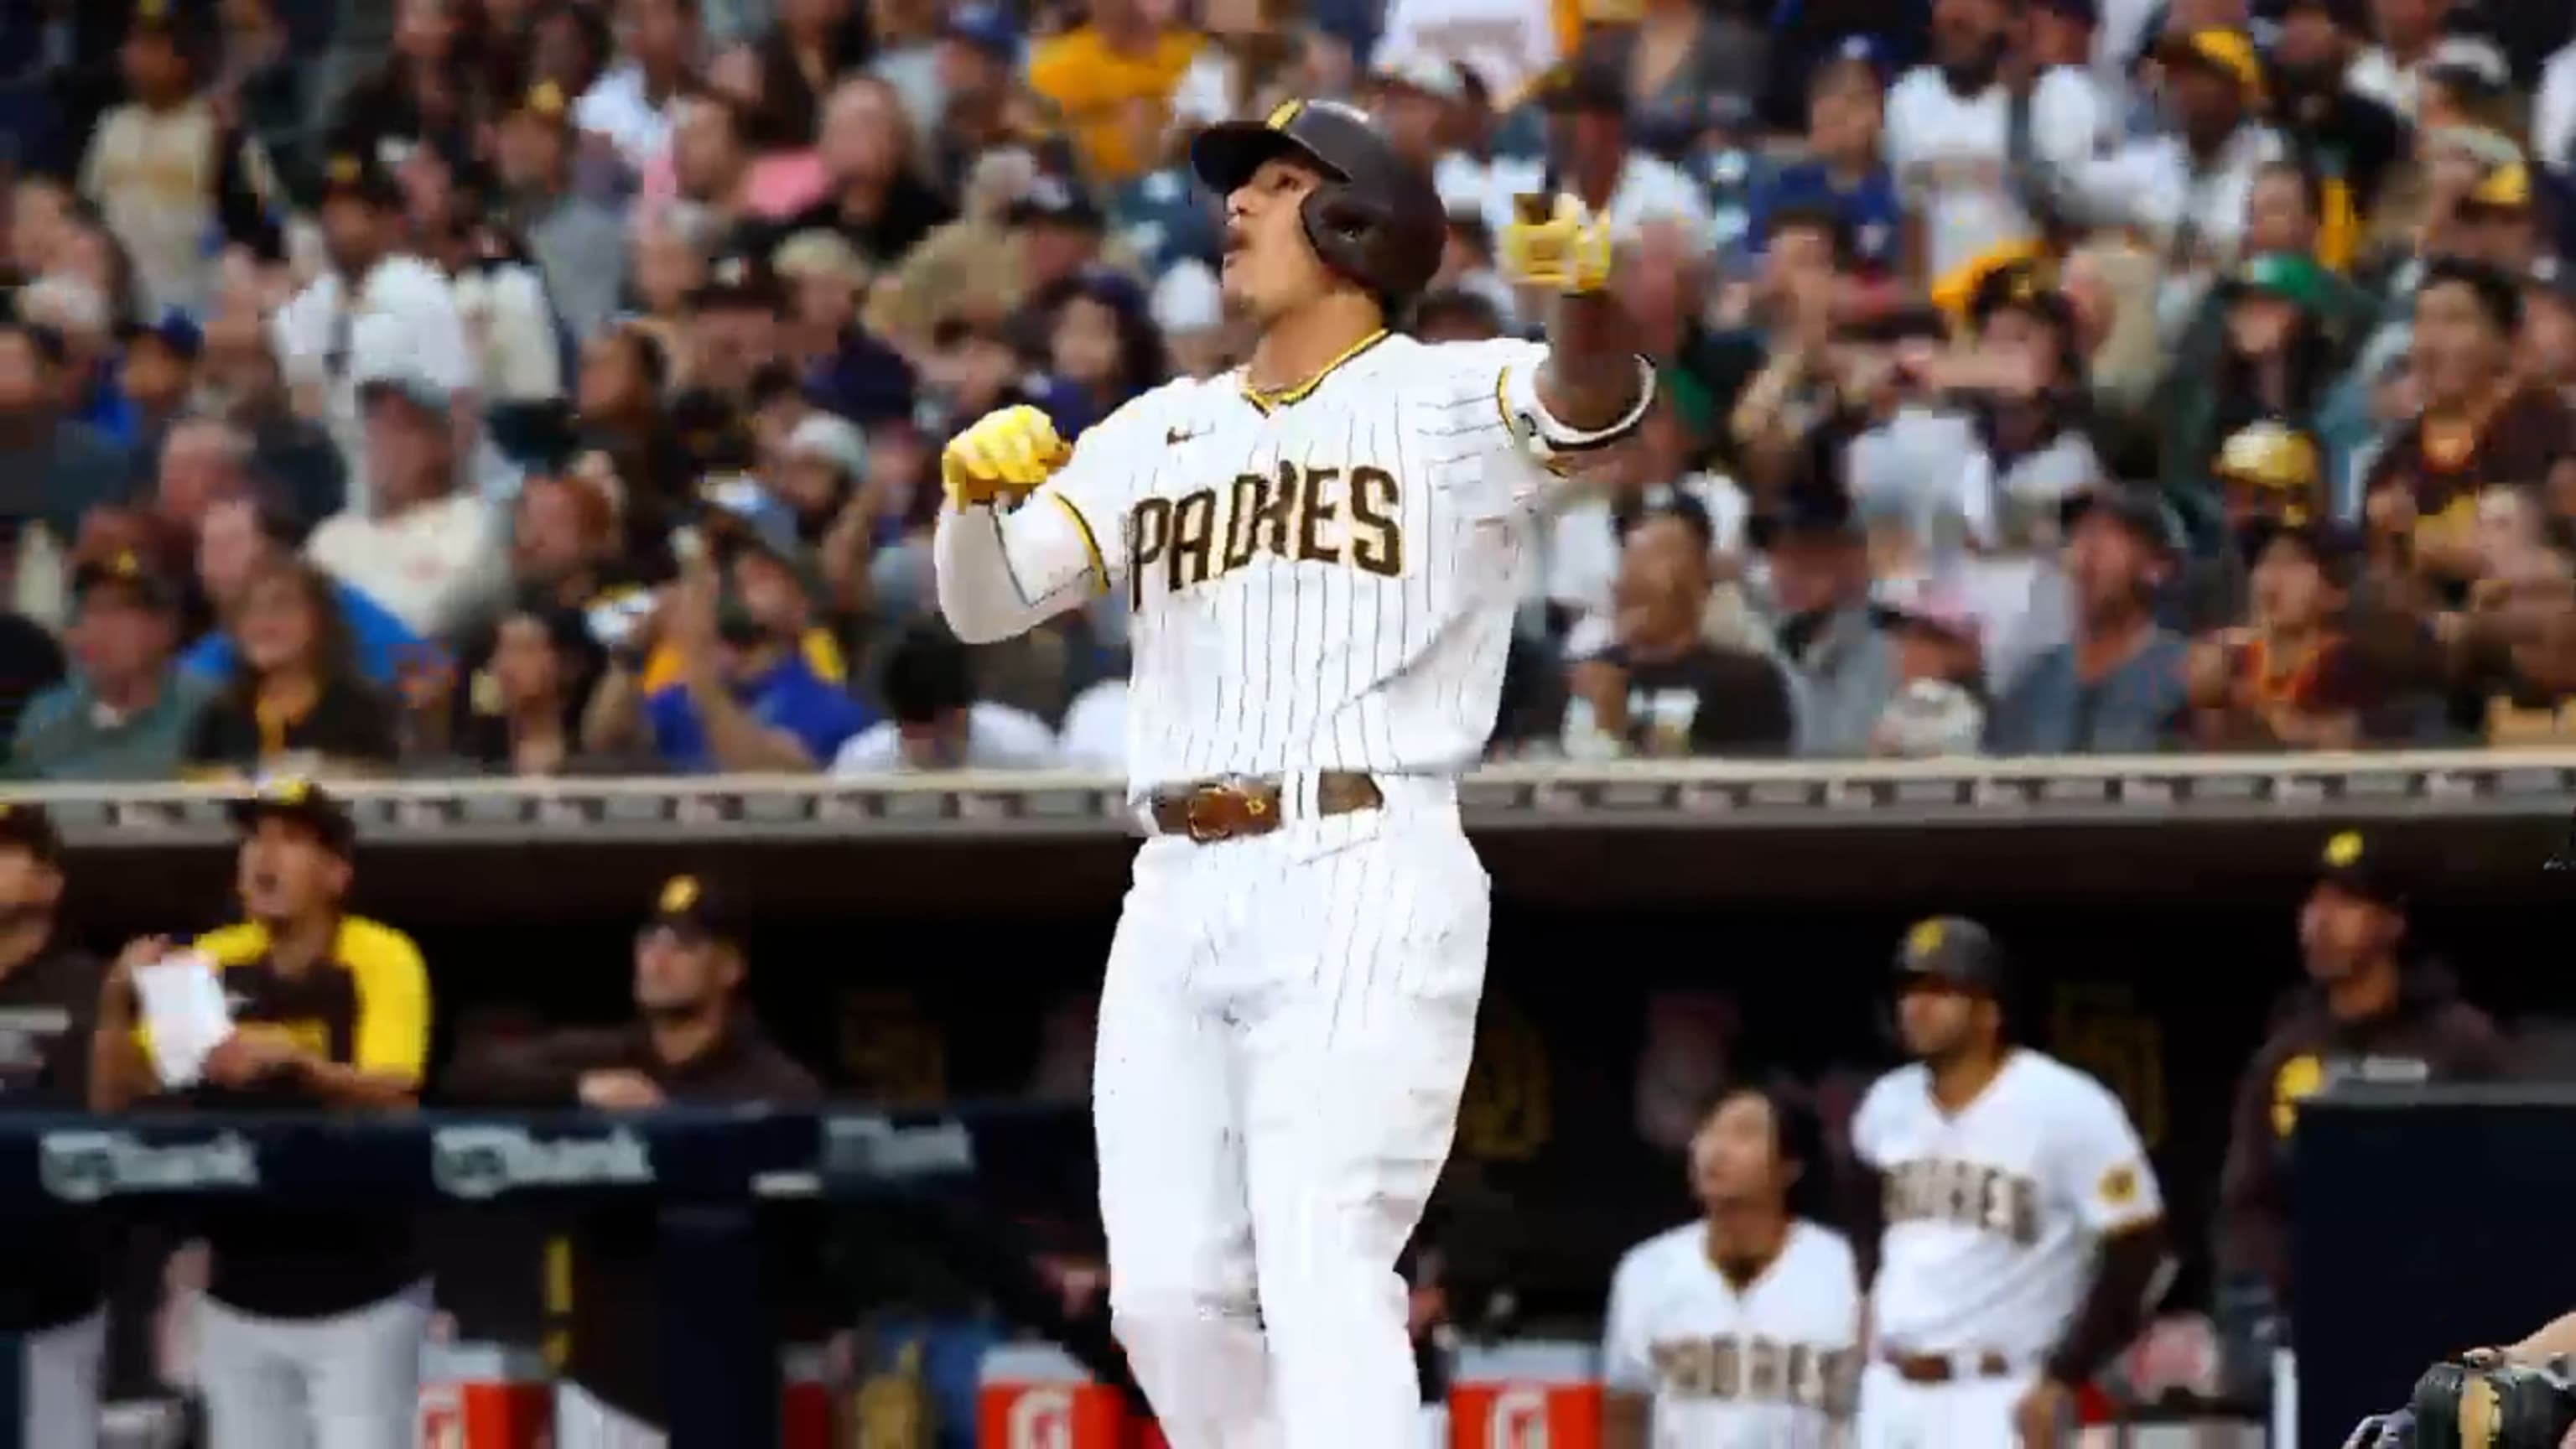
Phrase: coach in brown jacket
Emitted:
{"points": [[692, 1041]]}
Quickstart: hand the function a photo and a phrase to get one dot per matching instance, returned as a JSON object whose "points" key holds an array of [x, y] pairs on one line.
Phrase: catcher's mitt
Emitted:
{"points": [[2480, 1403]]}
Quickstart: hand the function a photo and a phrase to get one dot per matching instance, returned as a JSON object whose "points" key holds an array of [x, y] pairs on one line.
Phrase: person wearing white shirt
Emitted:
{"points": [[1095, 729], [1505, 44], [937, 723], [1951, 142], [2391, 72], [629, 107], [432, 553], [1740, 1330], [372, 305], [2553, 113], [1588, 135], [2187, 190]]}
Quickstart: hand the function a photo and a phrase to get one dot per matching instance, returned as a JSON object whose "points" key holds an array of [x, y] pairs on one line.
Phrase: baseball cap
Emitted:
{"points": [[1802, 512], [128, 570], [28, 827], [2471, 65], [830, 438], [296, 799], [2291, 276], [1953, 949], [544, 102], [1412, 70], [2335, 547], [988, 28], [1585, 88], [687, 906], [1928, 602], [2351, 864], [355, 172], [2023, 286], [2137, 508], [2224, 53], [1051, 198], [174, 330]]}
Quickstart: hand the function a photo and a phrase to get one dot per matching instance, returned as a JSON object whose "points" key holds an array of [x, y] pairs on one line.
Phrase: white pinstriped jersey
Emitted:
{"points": [[1992, 1212], [1772, 1365], [1322, 579]]}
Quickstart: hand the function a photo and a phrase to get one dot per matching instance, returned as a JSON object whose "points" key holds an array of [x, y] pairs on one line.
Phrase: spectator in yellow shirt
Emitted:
{"points": [[1110, 80]]}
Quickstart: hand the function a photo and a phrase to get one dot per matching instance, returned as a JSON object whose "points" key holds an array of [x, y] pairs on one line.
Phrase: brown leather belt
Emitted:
{"points": [[1937, 1368], [1239, 809]]}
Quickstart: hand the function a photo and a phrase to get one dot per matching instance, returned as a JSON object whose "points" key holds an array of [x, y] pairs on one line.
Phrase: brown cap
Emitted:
{"points": [[306, 804]]}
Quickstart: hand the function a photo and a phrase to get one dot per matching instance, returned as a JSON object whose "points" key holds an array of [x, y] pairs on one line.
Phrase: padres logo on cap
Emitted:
{"points": [[2344, 849], [680, 894], [1924, 939], [1282, 113]]}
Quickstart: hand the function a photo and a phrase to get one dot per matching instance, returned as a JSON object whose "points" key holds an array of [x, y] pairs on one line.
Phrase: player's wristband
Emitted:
{"points": [[1551, 441]]}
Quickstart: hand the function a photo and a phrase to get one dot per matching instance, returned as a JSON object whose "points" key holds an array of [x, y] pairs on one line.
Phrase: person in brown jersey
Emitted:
{"points": [[314, 1316], [692, 1040], [2481, 424], [2375, 1011], [50, 1270]]}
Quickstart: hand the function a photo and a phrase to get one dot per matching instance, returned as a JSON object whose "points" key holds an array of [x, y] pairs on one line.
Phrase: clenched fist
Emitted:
{"points": [[1002, 455], [1557, 245]]}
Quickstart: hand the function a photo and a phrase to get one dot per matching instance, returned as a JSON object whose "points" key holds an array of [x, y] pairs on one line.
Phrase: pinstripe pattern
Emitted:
{"points": [[1284, 1035], [1276, 662], [583, 1422]]}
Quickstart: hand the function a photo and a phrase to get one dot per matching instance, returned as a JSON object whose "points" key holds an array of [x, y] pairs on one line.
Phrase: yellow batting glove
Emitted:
{"points": [[1002, 455], [1558, 246]]}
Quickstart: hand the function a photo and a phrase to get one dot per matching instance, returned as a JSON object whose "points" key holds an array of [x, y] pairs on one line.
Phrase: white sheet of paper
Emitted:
{"points": [[183, 1007]]}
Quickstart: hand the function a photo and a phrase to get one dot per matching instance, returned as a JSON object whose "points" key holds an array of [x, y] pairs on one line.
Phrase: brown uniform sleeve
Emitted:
{"points": [[2473, 1047], [2250, 1236], [539, 1071]]}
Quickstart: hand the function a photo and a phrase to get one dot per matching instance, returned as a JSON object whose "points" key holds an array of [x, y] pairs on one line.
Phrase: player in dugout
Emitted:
{"points": [[314, 1317], [1742, 1327], [50, 1286], [692, 1039]]}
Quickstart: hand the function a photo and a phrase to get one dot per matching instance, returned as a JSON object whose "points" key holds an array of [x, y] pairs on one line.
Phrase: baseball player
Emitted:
{"points": [[311, 1328], [51, 1289], [1322, 551], [1741, 1330], [693, 1039], [2022, 1231]]}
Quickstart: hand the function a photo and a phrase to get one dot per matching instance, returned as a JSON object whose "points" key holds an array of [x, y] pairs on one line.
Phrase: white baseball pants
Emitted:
{"points": [[59, 1370], [1284, 1035], [1965, 1413], [582, 1421], [348, 1381]]}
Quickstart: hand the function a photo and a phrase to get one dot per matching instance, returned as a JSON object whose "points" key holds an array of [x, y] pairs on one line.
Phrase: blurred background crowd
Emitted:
{"points": [[530, 386]]}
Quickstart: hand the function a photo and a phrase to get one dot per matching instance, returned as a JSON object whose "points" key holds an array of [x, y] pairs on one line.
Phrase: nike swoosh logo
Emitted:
{"points": [[1174, 437]]}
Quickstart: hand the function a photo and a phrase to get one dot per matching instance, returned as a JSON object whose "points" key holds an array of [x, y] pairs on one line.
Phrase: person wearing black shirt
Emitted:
{"points": [[876, 203], [1662, 688], [692, 1040], [314, 1314], [51, 1288]]}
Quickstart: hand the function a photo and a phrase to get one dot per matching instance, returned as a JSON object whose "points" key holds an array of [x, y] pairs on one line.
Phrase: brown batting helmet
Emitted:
{"points": [[1375, 219]]}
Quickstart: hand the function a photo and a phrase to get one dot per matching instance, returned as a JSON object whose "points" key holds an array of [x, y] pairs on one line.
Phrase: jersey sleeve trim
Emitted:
{"points": [[1091, 555], [392, 1030]]}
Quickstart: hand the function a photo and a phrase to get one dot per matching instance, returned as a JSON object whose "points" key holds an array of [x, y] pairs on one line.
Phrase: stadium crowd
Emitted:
{"points": [[527, 386]]}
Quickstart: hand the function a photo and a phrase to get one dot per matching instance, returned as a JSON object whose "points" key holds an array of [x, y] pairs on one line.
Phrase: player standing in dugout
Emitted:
{"points": [[52, 1286], [1323, 552], [2021, 1233], [693, 1039], [311, 1329], [1740, 1330]]}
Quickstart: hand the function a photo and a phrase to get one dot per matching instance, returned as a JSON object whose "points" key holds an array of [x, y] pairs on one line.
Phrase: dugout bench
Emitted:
{"points": [[709, 1171]]}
